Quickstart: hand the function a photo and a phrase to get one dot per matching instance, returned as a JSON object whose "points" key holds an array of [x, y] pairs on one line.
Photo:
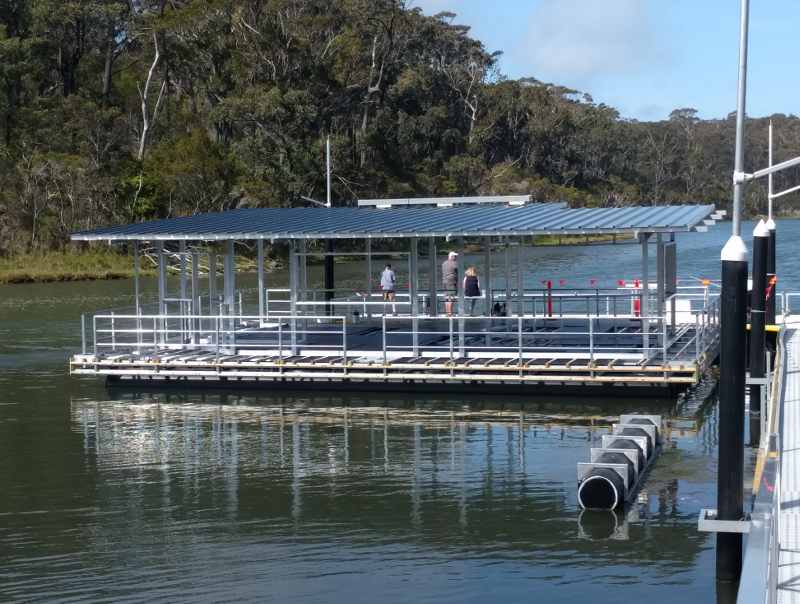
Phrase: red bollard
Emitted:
{"points": [[549, 298], [636, 303]]}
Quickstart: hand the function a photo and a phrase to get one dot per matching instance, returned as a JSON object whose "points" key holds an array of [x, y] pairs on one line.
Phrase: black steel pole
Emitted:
{"points": [[772, 277], [733, 329], [329, 283], [733, 333], [757, 313]]}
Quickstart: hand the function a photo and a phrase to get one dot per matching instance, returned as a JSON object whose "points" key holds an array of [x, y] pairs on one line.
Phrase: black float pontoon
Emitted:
{"points": [[617, 468]]}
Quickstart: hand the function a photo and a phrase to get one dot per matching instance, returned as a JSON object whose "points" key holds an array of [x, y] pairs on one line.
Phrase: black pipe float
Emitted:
{"points": [[615, 470]]}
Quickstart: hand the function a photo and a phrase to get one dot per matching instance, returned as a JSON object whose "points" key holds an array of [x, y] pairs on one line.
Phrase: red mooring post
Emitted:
{"points": [[549, 298], [636, 301]]}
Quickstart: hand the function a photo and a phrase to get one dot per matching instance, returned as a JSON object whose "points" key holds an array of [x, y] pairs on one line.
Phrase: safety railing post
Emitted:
{"points": [[83, 332], [383, 320], [697, 338], [591, 342], [94, 336], [216, 338], [451, 344], [664, 342], [280, 342], [344, 343], [113, 333], [266, 301], [155, 339]]}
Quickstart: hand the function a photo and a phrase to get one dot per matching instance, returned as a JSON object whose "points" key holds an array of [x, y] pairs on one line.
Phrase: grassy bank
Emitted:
{"points": [[61, 266]]}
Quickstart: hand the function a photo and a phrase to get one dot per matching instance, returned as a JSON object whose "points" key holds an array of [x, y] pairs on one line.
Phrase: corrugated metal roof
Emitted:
{"points": [[412, 221]]}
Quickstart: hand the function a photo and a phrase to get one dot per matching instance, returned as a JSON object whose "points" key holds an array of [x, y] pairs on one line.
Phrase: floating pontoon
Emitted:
{"points": [[650, 338]]}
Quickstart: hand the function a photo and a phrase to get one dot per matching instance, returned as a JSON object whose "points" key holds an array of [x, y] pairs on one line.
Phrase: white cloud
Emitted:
{"points": [[578, 39]]}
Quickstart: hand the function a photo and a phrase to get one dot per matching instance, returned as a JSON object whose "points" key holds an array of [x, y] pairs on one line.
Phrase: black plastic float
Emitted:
{"points": [[617, 468]]}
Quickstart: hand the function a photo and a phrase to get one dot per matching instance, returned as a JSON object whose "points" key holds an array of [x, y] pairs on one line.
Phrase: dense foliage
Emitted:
{"points": [[120, 110]]}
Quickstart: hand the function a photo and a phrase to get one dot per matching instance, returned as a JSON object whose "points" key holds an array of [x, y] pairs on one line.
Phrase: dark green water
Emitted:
{"points": [[186, 497]]}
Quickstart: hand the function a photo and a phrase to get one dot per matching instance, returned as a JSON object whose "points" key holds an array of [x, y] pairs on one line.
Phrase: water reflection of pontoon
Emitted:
{"points": [[650, 336], [386, 476]]}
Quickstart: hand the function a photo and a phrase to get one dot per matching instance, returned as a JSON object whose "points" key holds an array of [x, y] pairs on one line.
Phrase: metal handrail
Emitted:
{"points": [[194, 332], [759, 581]]}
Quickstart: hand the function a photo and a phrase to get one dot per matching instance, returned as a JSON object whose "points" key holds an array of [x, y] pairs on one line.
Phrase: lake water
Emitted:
{"points": [[120, 496]]}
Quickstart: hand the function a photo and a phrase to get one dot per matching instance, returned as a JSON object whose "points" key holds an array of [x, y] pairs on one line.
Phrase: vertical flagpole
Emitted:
{"points": [[771, 272], [733, 320]]}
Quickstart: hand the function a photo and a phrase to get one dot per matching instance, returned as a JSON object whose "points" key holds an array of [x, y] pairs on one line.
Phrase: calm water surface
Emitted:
{"points": [[203, 497]]}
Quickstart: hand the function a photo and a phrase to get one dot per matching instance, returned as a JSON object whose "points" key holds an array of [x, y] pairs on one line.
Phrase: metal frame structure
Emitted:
{"points": [[581, 335]]}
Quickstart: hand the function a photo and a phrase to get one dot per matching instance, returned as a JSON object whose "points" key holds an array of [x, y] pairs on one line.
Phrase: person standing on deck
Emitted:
{"points": [[387, 285], [450, 280], [472, 287]]}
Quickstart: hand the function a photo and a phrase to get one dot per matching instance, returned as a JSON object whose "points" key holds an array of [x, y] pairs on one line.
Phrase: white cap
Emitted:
{"points": [[771, 224], [452, 254], [761, 230], [735, 250]]}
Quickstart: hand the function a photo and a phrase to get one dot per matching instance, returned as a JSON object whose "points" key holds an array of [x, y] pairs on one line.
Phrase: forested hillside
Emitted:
{"points": [[120, 110]]}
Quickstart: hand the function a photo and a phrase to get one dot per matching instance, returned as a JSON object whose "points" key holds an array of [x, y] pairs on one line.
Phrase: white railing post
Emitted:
{"points": [[591, 342], [155, 339], [383, 319], [94, 336], [83, 332], [344, 343]]}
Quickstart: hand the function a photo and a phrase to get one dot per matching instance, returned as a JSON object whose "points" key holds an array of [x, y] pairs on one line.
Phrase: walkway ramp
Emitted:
{"points": [[789, 565]]}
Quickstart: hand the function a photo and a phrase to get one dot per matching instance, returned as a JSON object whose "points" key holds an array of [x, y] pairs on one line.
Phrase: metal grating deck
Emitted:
{"points": [[789, 569]]}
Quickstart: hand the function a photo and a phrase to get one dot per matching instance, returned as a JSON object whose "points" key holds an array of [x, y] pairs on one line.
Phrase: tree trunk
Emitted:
{"points": [[145, 95], [111, 56]]}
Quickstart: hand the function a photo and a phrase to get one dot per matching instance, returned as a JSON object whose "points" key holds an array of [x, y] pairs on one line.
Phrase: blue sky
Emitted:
{"points": [[644, 57]]}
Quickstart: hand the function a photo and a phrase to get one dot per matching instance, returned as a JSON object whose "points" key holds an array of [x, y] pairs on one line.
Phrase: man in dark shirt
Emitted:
{"points": [[450, 280]]}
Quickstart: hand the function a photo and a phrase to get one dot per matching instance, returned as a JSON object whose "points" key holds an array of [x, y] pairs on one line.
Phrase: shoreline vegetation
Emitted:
{"points": [[115, 113], [92, 265]]}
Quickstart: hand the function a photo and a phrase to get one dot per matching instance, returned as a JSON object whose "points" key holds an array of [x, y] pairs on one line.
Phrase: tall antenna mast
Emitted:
{"points": [[328, 149]]}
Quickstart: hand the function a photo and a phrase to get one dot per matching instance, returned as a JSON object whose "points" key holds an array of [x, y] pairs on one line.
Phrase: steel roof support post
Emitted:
{"points": [[487, 276], [520, 279], [368, 278], [733, 333], [432, 269], [660, 287], [182, 304], [195, 323], [261, 290], [212, 286], [487, 287], [293, 287], [230, 295], [413, 279], [136, 294], [645, 314], [302, 259], [508, 284], [461, 301], [136, 276], [674, 288], [330, 281], [162, 289]]}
